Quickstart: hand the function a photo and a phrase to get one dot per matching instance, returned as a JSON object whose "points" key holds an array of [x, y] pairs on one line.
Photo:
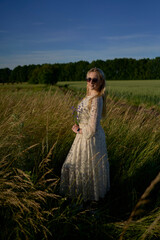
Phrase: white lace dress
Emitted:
{"points": [[85, 171]]}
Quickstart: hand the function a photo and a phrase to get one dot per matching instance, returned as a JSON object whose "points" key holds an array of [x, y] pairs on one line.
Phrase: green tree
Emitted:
{"points": [[5, 75], [81, 69], [34, 75], [19, 74], [45, 74]]}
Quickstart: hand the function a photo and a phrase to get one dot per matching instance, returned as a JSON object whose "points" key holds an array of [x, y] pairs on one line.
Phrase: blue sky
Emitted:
{"points": [[60, 31]]}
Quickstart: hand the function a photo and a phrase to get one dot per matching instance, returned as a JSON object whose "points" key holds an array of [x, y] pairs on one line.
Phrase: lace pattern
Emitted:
{"points": [[85, 171]]}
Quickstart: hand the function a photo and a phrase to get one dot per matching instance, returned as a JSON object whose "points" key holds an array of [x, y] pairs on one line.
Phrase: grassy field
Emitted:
{"points": [[35, 137], [138, 91]]}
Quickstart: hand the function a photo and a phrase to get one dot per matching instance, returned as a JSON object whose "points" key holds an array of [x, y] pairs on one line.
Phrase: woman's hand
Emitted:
{"points": [[75, 128]]}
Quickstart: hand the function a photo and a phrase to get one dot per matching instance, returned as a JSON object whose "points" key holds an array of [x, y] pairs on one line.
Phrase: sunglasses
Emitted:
{"points": [[93, 80]]}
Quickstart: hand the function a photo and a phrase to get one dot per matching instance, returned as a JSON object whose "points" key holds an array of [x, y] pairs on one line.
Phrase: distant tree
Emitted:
{"points": [[81, 69], [34, 75], [98, 64], [108, 69], [56, 73], [23, 73], [116, 69], [5, 75], [45, 74], [19, 74], [67, 72], [156, 68], [30, 69]]}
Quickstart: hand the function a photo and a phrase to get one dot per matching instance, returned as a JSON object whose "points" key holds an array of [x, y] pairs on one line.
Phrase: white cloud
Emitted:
{"points": [[3, 31], [126, 37], [70, 55], [52, 37]]}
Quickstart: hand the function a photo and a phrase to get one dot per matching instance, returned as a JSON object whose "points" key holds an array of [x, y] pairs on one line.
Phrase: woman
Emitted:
{"points": [[85, 171]]}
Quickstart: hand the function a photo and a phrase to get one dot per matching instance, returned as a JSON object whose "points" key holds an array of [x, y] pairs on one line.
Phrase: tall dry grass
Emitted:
{"points": [[23, 212], [36, 124], [33, 119], [137, 209]]}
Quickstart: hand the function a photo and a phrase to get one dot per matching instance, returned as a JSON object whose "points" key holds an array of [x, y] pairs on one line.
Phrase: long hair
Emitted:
{"points": [[100, 90]]}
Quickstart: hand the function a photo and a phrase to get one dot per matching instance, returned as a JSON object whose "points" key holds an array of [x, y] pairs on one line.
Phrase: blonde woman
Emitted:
{"points": [[85, 171]]}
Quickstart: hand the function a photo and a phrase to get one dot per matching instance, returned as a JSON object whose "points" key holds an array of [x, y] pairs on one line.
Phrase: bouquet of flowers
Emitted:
{"points": [[76, 115], [79, 113]]}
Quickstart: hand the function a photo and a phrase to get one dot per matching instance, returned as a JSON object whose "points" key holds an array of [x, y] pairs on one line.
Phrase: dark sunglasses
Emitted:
{"points": [[94, 80]]}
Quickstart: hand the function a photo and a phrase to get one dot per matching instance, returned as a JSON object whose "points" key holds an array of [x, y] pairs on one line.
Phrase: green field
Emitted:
{"points": [[35, 137], [136, 91]]}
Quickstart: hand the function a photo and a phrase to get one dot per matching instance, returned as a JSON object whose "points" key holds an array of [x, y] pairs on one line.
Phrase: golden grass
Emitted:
{"points": [[140, 203], [21, 202], [35, 135]]}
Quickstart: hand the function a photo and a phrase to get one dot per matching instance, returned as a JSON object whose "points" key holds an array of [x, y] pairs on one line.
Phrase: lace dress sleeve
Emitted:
{"points": [[94, 118]]}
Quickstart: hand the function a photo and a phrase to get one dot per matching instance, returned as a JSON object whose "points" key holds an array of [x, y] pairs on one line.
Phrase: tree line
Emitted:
{"points": [[116, 69]]}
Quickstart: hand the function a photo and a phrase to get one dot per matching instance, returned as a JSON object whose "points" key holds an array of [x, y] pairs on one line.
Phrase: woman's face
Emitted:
{"points": [[94, 82]]}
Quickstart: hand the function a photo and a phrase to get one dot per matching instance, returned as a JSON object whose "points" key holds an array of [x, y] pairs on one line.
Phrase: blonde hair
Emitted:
{"points": [[101, 88]]}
